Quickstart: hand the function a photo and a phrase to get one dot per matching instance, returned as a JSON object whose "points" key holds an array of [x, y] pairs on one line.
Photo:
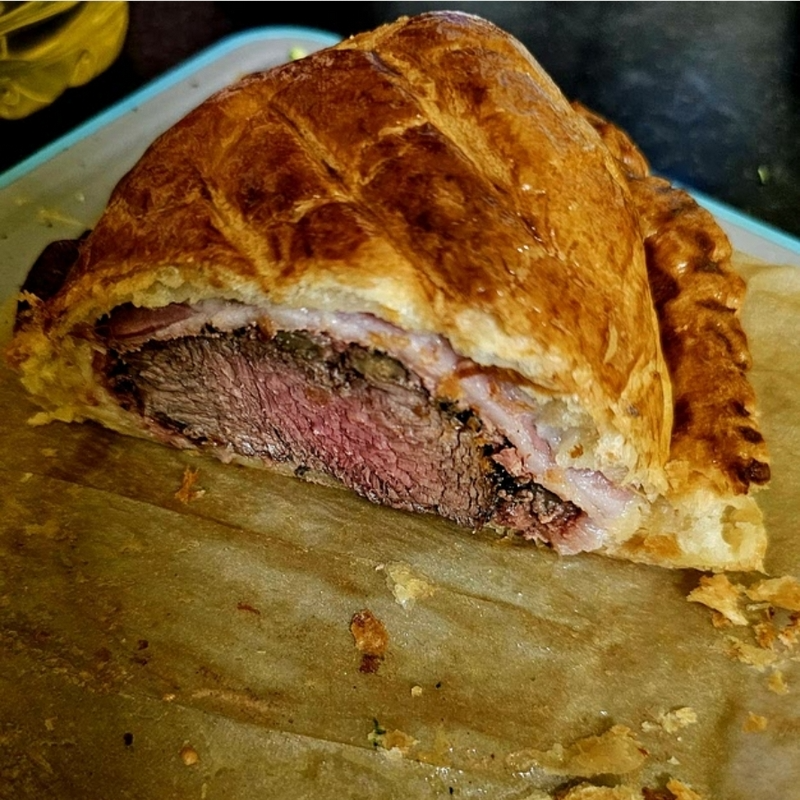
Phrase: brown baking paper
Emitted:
{"points": [[200, 645]]}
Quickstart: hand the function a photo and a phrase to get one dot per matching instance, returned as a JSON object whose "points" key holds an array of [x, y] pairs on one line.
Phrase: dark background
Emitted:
{"points": [[710, 91]]}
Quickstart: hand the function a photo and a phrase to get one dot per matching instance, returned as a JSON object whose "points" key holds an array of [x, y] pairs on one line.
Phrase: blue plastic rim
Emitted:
{"points": [[183, 71], [724, 212]]}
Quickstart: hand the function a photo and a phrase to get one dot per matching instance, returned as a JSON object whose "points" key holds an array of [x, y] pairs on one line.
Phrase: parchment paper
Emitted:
{"points": [[137, 630]]}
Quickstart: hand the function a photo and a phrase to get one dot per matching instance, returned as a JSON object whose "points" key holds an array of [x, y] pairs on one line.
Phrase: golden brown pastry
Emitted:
{"points": [[716, 445], [408, 265]]}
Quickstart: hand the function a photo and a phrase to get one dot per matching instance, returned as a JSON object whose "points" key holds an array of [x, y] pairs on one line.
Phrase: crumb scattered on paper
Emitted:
{"points": [[772, 618], [680, 791], [416, 691], [396, 743], [754, 723], [777, 683], [371, 640], [187, 492], [765, 634], [406, 587], [783, 592], [672, 721], [615, 752], [719, 594], [189, 755], [790, 633], [587, 791], [750, 654]]}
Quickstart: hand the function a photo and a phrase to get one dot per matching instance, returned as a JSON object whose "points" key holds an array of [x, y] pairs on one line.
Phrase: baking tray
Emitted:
{"points": [[188, 663]]}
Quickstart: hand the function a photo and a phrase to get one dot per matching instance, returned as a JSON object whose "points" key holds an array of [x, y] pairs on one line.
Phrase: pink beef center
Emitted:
{"points": [[356, 415]]}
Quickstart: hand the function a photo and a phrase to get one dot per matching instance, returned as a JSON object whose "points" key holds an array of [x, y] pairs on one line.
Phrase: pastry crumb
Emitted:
{"points": [[719, 594], [755, 723], [677, 719], [783, 592], [765, 634], [371, 640], [416, 691], [777, 683], [680, 791], [771, 599], [615, 752], [588, 791], [750, 654], [189, 755], [187, 492], [406, 587], [395, 743], [789, 634]]}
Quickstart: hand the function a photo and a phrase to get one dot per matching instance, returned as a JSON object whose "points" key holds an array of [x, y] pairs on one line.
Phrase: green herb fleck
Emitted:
{"points": [[376, 734]]}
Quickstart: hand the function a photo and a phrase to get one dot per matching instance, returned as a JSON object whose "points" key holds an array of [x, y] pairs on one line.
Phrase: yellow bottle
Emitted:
{"points": [[46, 47]]}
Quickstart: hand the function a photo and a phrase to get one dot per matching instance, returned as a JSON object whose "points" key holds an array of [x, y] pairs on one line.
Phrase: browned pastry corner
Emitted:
{"points": [[405, 264], [697, 296]]}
